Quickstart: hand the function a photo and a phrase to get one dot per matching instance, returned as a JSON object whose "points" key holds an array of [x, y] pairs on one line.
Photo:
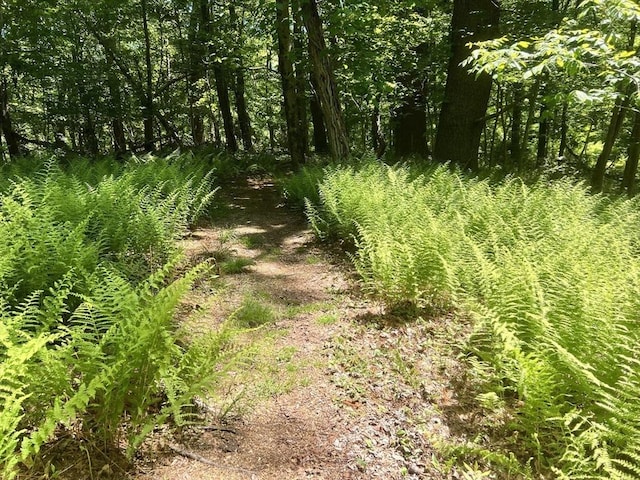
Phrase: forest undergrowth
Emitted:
{"points": [[548, 275], [90, 279]]}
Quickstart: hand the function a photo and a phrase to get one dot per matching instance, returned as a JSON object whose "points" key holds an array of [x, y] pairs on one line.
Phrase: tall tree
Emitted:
{"points": [[325, 81], [462, 116], [290, 94]]}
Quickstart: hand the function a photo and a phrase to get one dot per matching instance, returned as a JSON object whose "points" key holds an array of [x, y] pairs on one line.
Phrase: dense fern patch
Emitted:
{"points": [[548, 272], [89, 289]]}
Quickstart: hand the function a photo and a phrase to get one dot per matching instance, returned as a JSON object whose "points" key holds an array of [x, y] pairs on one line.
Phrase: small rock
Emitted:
{"points": [[414, 469]]}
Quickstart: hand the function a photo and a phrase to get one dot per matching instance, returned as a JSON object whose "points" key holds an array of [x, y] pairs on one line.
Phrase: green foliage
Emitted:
{"points": [[549, 274], [87, 340]]}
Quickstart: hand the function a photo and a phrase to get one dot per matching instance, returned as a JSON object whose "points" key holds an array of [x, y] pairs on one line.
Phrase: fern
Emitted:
{"points": [[549, 273]]}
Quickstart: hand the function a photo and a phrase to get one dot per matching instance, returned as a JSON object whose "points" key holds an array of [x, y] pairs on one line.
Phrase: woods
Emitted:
{"points": [[526, 89], [476, 159]]}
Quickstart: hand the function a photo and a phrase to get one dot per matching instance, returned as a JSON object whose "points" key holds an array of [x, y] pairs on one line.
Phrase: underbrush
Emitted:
{"points": [[89, 276], [549, 274]]}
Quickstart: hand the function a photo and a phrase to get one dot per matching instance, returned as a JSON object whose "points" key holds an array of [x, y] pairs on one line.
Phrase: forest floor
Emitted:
{"points": [[334, 386]]}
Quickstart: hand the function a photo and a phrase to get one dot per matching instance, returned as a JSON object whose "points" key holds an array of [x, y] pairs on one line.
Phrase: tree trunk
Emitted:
{"points": [[301, 70], [320, 144], [10, 136], [543, 135], [377, 139], [617, 118], [241, 107], [466, 97], [326, 83], [239, 90], [222, 90], [409, 120], [631, 167], [287, 75], [564, 129], [147, 106], [197, 58], [117, 125], [516, 126]]}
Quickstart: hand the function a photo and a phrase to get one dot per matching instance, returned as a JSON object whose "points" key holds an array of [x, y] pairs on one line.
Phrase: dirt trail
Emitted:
{"points": [[343, 395]]}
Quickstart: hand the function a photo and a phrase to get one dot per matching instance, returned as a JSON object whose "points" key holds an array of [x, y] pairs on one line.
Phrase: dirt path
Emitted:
{"points": [[337, 388]]}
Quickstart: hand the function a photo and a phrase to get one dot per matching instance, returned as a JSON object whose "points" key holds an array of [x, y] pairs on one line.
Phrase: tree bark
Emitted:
{"points": [[222, 89], [10, 136], [287, 75], [197, 54], [326, 83], [320, 144], [615, 124], [409, 120], [543, 135], [377, 139], [147, 106], [117, 125], [239, 91], [516, 126], [564, 129], [300, 67], [631, 166], [466, 97]]}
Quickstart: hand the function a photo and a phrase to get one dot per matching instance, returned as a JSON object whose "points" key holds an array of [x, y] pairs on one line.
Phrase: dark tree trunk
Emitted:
{"points": [[409, 121], [617, 118], [516, 126], [377, 139], [289, 93], [147, 106], [564, 130], [89, 134], [197, 59], [464, 108], [320, 144], [241, 107], [631, 167], [325, 81], [10, 136], [222, 89], [543, 135], [117, 125], [239, 90], [301, 71]]}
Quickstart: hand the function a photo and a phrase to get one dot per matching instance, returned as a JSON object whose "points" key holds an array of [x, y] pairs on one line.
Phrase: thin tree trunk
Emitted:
{"points": [[543, 135], [287, 75], [147, 107], [531, 113], [564, 129], [326, 83], [239, 90], [10, 136], [615, 124], [197, 53], [466, 97], [516, 126], [300, 73], [117, 125], [379, 144], [224, 103], [270, 126], [631, 166]]}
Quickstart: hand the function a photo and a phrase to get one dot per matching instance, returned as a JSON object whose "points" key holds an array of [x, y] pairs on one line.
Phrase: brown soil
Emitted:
{"points": [[339, 388]]}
